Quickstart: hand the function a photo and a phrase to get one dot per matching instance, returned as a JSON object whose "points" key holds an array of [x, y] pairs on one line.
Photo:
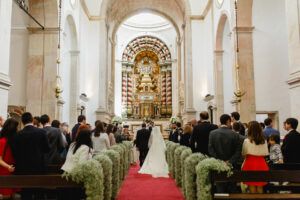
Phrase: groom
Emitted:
{"points": [[142, 138]]}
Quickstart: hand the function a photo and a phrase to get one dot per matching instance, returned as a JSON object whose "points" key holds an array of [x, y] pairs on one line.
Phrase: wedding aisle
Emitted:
{"points": [[144, 187]]}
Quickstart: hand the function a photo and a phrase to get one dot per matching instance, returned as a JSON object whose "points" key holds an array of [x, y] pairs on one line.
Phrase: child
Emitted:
{"points": [[275, 150]]}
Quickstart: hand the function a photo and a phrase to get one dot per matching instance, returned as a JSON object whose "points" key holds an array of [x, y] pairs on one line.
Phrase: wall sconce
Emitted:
{"points": [[208, 97]]}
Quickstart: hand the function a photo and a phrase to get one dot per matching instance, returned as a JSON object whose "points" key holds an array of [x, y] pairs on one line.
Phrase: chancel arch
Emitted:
{"points": [[146, 79]]}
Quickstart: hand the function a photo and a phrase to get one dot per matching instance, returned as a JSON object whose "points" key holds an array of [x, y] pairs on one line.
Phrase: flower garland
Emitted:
{"points": [[190, 175], [115, 158], [120, 150], [178, 174], [171, 158], [129, 145], [168, 149], [184, 155], [203, 170], [90, 173], [126, 157], [107, 165]]}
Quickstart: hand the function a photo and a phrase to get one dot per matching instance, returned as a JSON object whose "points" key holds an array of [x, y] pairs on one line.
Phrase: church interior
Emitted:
{"points": [[135, 61]]}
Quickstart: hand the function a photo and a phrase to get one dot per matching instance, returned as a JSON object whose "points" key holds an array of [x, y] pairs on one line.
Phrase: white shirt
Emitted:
{"points": [[100, 143], [82, 154]]}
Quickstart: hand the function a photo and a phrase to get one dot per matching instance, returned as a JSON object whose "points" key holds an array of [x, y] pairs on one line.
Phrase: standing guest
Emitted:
{"points": [[37, 122], [1, 122], [255, 148], [185, 138], [124, 135], [110, 134], [179, 131], [81, 120], [193, 122], [7, 161], [291, 142], [173, 135], [80, 151], [55, 123], [29, 147], [100, 139], [55, 141], [269, 130], [275, 150], [236, 127], [235, 117], [224, 145], [200, 135], [66, 136]]}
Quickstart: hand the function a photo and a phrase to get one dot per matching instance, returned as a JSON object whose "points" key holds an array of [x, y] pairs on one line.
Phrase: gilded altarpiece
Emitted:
{"points": [[147, 83]]}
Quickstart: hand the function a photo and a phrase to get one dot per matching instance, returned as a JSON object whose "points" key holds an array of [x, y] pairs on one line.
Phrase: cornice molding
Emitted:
{"points": [[87, 12], [244, 29], [38, 30], [204, 13], [294, 80], [5, 82]]}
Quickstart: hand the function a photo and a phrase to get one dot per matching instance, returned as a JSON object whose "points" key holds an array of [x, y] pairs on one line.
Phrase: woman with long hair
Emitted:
{"points": [[79, 151], [185, 138], [6, 157], [111, 136], [100, 139], [255, 148]]}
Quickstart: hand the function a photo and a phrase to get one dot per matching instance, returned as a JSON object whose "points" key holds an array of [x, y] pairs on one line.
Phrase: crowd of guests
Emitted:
{"points": [[43, 142], [249, 146]]}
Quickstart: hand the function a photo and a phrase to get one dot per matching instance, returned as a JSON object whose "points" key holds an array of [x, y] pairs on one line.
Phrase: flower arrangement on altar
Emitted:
{"points": [[117, 120], [174, 120]]}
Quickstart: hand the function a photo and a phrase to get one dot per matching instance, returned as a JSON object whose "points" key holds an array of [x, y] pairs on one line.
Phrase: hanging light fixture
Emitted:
{"points": [[58, 88], [238, 93]]}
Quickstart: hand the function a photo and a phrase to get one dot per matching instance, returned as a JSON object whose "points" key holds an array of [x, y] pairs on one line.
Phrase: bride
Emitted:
{"points": [[155, 163]]}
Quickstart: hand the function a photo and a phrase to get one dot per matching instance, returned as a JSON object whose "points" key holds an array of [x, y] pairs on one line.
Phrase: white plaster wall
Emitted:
{"points": [[270, 52], [202, 60], [18, 57], [124, 36]]}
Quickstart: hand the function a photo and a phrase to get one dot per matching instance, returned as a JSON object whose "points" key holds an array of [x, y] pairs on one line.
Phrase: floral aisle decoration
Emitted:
{"points": [[168, 149], [129, 145], [171, 154], [190, 175], [115, 158], [203, 170], [184, 155], [90, 173], [126, 157], [177, 155], [107, 166], [120, 150]]}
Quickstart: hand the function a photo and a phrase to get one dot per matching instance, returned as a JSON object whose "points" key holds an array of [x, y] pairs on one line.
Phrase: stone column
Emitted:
{"points": [[178, 78], [247, 106], [219, 94], [60, 106], [5, 31], [293, 27], [102, 111], [74, 89]]}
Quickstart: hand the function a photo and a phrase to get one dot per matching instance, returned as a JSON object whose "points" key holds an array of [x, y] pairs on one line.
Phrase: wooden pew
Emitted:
{"points": [[257, 176]]}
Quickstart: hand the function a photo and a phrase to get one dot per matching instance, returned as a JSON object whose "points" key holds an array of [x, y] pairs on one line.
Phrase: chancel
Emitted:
{"points": [[215, 84]]}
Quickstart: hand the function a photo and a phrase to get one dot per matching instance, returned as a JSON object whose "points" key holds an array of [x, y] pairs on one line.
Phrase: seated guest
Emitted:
{"points": [[79, 151], [185, 138], [291, 142], [275, 150], [111, 136], [255, 148], [100, 139], [29, 147], [7, 161], [55, 141]]}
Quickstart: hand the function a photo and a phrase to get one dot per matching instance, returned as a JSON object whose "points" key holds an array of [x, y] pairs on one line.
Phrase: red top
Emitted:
{"points": [[8, 157]]}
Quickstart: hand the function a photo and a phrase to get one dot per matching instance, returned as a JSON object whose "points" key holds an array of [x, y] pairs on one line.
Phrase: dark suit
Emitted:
{"points": [[224, 144], [290, 147], [175, 135], [74, 131], [142, 139], [200, 136], [56, 146], [29, 148], [185, 139]]}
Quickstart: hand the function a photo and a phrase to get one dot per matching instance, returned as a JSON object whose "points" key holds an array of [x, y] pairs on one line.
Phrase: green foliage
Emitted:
{"points": [[168, 150], [177, 155], [184, 155], [115, 158], [190, 175], [107, 165], [121, 152], [173, 147], [90, 173], [126, 157], [203, 170], [129, 145]]}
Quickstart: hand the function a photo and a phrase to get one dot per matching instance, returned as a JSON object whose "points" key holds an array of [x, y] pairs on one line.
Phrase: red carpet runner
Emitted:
{"points": [[144, 187]]}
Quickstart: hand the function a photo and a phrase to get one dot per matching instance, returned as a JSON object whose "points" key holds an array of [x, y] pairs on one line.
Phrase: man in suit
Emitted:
{"points": [[291, 142], [80, 120], [200, 135], [224, 144], [55, 140], [173, 136], [142, 139], [235, 117]]}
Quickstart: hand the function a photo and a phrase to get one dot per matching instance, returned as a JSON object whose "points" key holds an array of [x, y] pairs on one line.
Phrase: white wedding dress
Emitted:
{"points": [[155, 163]]}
